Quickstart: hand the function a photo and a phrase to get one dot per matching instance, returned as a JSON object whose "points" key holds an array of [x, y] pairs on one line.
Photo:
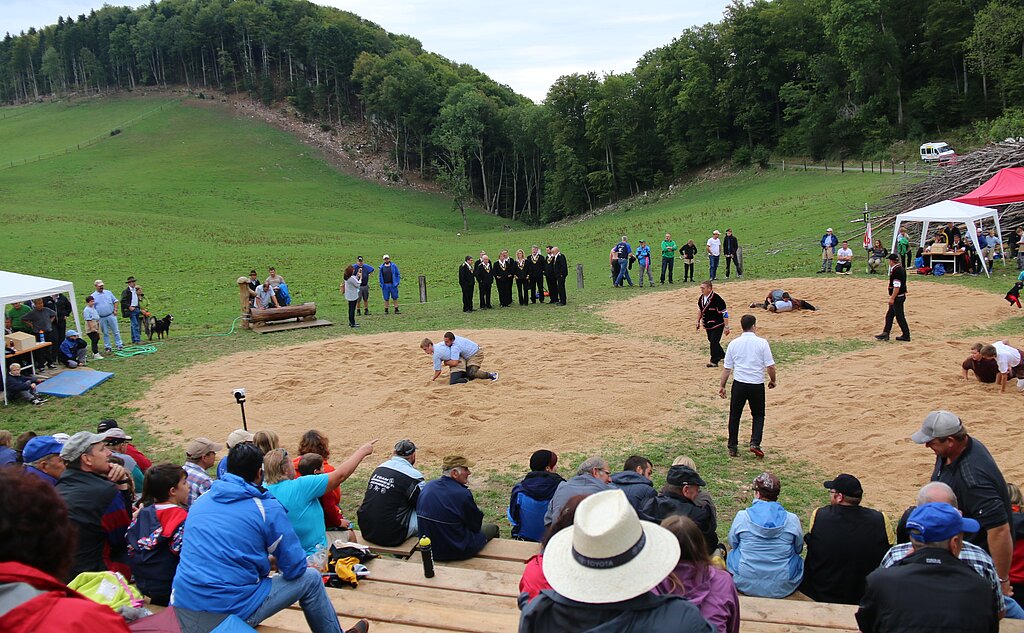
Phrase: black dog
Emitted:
{"points": [[161, 327]]}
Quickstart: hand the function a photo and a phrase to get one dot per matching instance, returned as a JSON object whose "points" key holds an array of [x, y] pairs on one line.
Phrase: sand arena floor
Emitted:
{"points": [[853, 412]]}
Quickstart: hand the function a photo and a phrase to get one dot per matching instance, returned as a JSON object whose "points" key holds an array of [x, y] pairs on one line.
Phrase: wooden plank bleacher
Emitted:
{"points": [[404, 550]]}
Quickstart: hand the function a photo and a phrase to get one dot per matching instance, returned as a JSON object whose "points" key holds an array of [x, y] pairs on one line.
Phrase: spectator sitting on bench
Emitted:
{"points": [[387, 515], [592, 476], [982, 362], [533, 581], [8, 455], [635, 480], [42, 458], [155, 535], [448, 514], [315, 442], [844, 259], [876, 256], [678, 496], [37, 542], [23, 387], [602, 571], [236, 437], [531, 497], [266, 297], [72, 350], [231, 534]]}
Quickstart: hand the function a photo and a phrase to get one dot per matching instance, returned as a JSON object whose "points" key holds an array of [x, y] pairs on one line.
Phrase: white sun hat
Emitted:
{"points": [[609, 555]]}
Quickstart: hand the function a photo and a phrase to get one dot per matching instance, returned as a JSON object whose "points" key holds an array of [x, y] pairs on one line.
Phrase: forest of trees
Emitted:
{"points": [[819, 78]]}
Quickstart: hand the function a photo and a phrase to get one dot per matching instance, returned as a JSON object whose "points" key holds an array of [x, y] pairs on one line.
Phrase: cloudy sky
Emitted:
{"points": [[525, 44]]}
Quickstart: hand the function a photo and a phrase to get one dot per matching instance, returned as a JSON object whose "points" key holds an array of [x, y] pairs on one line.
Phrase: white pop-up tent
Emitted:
{"points": [[17, 287], [950, 211]]}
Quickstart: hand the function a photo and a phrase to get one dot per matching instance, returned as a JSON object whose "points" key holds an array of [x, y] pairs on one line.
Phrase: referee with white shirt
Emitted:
{"points": [[747, 358]]}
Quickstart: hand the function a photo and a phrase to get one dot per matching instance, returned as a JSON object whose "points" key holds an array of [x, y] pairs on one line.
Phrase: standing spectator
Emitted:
{"points": [[828, 247], [503, 275], [106, 305], [72, 350], [389, 278], [92, 325], [845, 543], [876, 255], [710, 589], [561, 267], [387, 515], [668, 257], [15, 312], [930, 590], [592, 476], [897, 301], [485, 279], [350, 288], [40, 319], [232, 575], [1017, 565], [622, 252], [713, 315], [8, 456], [1017, 246], [131, 308], [155, 534], [254, 280], [549, 275], [536, 274], [467, 281], [951, 231], [749, 357], [34, 563], [97, 496], [765, 543], [448, 514], [613, 262], [643, 260], [364, 285], [966, 466], [200, 456], [62, 306], [42, 458], [521, 270], [844, 259], [635, 480], [731, 250], [714, 248], [602, 571], [531, 497], [679, 496], [689, 251], [903, 247]]}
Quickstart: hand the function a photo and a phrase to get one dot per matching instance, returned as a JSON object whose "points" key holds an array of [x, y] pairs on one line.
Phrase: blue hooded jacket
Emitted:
{"points": [[766, 542], [396, 277], [231, 530]]}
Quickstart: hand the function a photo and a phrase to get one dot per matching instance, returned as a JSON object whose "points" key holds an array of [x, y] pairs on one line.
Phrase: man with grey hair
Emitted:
{"points": [[592, 476], [448, 515], [387, 515]]}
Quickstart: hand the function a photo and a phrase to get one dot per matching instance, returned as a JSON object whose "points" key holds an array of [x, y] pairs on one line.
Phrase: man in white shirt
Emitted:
{"points": [[844, 259], [1010, 363], [714, 252], [748, 357]]}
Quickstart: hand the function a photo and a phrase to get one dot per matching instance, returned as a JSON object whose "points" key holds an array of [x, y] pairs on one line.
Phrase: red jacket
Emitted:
{"points": [[57, 610], [533, 581], [140, 459]]}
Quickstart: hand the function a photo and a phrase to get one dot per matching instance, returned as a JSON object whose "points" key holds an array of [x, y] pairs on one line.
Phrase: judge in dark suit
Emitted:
{"points": [[484, 278], [897, 300], [561, 272], [535, 273], [521, 270], [549, 276], [503, 275], [467, 280]]}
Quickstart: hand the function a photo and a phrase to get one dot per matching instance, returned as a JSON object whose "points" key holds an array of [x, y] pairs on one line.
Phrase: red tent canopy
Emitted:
{"points": [[1005, 187]]}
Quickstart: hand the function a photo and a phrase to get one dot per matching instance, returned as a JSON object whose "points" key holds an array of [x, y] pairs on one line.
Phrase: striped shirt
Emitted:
{"points": [[198, 481]]}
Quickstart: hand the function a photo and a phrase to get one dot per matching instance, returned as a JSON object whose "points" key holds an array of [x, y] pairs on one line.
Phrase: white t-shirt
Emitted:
{"points": [[748, 356], [1006, 356], [845, 252], [715, 245], [783, 306]]}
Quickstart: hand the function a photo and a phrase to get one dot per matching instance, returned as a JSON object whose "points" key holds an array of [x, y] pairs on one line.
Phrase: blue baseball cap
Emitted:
{"points": [[934, 522], [39, 447]]}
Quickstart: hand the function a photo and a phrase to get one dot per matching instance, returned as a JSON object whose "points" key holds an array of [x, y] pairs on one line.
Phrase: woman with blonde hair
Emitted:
{"points": [[266, 441]]}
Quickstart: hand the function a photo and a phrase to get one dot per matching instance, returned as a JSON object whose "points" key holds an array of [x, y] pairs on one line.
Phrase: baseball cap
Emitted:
{"points": [[106, 424], [61, 437], [934, 522], [98, 282], [201, 446], [39, 447], [386, 257], [238, 436], [359, 259], [683, 476], [828, 230], [716, 232], [79, 444], [846, 484], [767, 482], [455, 461], [118, 434], [404, 448], [937, 424], [71, 333]]}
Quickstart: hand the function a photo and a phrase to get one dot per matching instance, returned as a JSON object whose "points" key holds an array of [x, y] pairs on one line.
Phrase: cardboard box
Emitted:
{"points": [[21, 341], [938, 248]]}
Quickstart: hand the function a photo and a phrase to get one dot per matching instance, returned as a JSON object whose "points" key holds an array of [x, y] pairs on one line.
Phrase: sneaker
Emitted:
{"points": [[120, 348], [353, 325], [361, 626], [712, 364], [51, 365], [97, 357], [494, 376], [37, 400], [386, 311], [396, 310], [756, 450], [106, 350]]}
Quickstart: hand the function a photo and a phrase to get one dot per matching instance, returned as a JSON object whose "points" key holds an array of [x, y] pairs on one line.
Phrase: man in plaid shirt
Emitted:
{"points": [[201, 454]]}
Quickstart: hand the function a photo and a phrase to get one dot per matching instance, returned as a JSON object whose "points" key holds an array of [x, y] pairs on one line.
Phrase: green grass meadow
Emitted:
{"points": [[192, 197]]}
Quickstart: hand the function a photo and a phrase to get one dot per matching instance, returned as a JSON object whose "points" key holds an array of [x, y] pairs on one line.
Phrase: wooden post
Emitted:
{"points": [[892, 167], [245, 295], [579, 276], [842, 166], [423, 289], [805, 165], [783, 164]]}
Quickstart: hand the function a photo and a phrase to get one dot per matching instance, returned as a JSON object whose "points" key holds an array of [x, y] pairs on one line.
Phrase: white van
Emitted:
{"points": [[938, 151]]}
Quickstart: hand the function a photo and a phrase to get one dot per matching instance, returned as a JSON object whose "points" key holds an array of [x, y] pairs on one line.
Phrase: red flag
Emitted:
{"points": [[867, 236]]}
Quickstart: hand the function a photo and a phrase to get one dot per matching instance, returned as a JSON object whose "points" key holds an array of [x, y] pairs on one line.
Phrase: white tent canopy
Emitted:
{"points": [[17, 287], [950, 211]]}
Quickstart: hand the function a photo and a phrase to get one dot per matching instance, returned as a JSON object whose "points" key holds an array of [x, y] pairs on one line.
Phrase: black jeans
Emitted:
{"points": [[896, 310], [95, 338], [715, 338], [687, 270], [352, 312], [485, 295], [742, 393], [667, 263], [537, 290]]}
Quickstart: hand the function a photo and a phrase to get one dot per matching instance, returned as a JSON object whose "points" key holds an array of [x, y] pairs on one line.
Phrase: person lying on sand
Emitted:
{"points": [[781, 301]]}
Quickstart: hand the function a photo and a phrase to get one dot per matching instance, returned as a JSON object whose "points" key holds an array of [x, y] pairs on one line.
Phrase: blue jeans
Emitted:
{"points": [[309, 590], [1013, 610], [623, 272], [713, 267], [133, 316], [108, 325]]}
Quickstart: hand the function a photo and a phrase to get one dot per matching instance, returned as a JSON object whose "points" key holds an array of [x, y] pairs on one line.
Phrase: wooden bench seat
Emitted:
{"points": [[404, 550], [480, 564], [452, 579], [508, 549]]}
